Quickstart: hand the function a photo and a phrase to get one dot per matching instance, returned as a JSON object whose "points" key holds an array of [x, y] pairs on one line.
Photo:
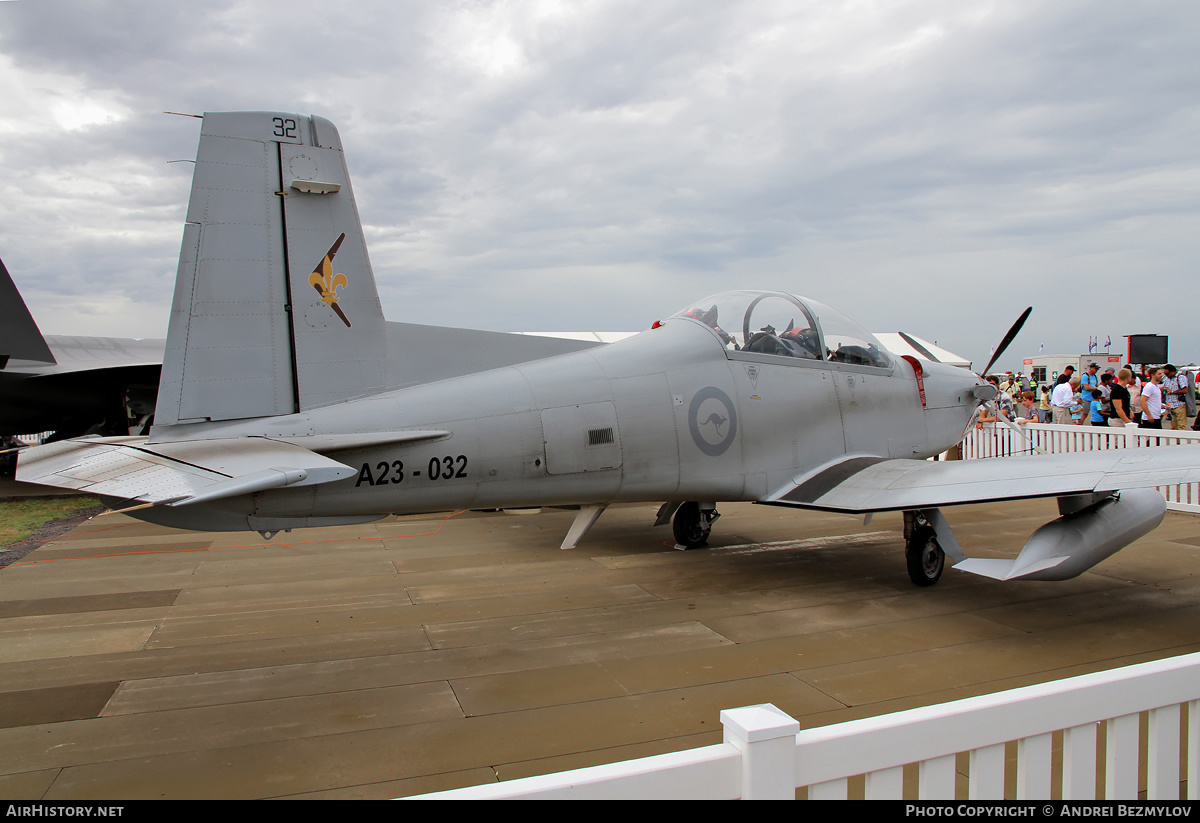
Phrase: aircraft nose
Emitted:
{"points": [[950, 386]]}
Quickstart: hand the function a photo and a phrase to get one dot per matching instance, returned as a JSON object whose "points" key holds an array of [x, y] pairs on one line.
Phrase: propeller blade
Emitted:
{"points": [[1008, 338], [918, 348]]}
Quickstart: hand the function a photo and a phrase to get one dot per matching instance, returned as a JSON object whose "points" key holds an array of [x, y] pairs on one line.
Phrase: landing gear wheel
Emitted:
{"points": [[690, 526], [925, 557]]}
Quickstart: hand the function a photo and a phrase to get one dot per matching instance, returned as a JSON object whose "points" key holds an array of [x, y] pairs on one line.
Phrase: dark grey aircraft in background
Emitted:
{"points": [[70, 385], [286, 399]]}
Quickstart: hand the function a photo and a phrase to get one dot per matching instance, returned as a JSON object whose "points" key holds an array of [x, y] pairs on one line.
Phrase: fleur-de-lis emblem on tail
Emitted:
{"points": [[326, 282]]}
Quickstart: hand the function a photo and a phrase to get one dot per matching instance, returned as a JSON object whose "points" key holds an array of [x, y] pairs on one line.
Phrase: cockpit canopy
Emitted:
{"points": [[779, 324]]}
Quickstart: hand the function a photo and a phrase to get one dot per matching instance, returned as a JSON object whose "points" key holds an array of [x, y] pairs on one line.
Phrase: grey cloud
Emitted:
{"points": [[922, 166]]}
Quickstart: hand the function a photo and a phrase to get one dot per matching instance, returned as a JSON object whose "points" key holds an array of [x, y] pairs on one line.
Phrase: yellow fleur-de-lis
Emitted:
{"points": [[326, 282], [325, 286]]}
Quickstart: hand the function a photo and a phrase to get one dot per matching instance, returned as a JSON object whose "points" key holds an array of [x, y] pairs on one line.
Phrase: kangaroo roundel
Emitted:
{"points": [[713, 421]]}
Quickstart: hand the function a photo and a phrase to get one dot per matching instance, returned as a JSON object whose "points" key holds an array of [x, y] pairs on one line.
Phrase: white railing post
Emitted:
{"points": [[1193, 750], [936, 777], [1131, 435], [1121, 758], [1162, 755], [1033, 767], [766, 737], [986, 781], [1079, 762]]}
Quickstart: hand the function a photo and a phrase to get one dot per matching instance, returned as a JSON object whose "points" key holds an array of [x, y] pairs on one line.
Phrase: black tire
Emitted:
{"points": [[691, 531], [924, 556]]}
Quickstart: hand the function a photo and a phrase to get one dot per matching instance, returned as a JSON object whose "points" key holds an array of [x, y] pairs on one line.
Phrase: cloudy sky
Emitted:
{"points": [[929, 166]]}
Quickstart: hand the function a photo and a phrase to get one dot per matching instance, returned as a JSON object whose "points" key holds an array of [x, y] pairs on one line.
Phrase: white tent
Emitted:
{"points": [[896, 345]]}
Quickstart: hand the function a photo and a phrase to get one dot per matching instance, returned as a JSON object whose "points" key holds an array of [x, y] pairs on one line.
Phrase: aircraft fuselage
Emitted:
{"points": [[669, 414]]}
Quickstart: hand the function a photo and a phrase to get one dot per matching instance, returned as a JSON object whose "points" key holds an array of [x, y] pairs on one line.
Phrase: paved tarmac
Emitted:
{"points": [[424, 653]]}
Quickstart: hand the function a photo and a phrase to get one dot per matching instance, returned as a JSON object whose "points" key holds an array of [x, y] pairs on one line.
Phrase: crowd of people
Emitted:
{"points": [[1153, 398]]}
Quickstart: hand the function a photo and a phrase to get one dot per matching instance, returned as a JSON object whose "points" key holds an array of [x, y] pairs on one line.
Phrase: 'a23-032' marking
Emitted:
{"points": [[385, 473]]}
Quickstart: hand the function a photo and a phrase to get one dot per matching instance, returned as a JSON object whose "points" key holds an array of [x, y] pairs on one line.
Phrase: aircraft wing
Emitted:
{"points": [[873, 484], [176, 474]]}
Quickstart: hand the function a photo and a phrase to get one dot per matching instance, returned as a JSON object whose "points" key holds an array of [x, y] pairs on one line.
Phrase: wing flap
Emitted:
{"points": [[869, 484], [175, 473]]}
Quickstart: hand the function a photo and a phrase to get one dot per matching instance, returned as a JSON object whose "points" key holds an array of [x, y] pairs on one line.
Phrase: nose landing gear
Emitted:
{"points": [[923, 554]]}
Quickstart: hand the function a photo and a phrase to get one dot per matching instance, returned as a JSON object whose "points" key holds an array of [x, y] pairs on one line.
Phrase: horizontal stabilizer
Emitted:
{"points": [[287, 434], [176, 474], [361, 440]]}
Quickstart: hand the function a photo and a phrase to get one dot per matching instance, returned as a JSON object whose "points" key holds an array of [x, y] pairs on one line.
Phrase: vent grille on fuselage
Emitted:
{"points": [[600, 437]]}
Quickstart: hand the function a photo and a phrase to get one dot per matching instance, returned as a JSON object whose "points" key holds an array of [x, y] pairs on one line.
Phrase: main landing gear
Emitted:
{"points": [[925, 558], [692, 524]]}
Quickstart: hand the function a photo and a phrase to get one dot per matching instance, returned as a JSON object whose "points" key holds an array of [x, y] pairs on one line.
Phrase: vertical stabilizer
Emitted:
{"points": [[275, 307], [19, 335]]}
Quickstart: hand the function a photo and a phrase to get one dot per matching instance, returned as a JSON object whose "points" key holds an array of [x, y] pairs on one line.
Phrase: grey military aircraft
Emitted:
{"points": [[287, 400]]}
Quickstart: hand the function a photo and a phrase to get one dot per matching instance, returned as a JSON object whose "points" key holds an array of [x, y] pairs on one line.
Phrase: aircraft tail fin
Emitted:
{"points": [[20, 338], [275, 308]]}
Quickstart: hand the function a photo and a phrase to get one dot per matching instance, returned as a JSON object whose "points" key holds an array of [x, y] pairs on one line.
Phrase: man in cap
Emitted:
{"points": [[1174, 387], [1008, 384], [1088, 383]]}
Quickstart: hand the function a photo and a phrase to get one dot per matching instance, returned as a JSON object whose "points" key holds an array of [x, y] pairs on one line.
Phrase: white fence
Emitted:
{"points": [[1094, 721], [34, 439], [998, 440]]}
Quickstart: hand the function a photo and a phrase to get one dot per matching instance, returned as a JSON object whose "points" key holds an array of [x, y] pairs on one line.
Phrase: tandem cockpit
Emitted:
{"points": [[782, 325]]}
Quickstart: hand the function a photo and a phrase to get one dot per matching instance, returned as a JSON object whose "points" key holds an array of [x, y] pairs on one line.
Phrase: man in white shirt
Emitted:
{"points": [[1061, 400], [1151, 401], [1008, 384]]}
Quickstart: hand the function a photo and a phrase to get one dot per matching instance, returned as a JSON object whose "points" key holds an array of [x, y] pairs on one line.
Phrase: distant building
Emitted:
{"points": [[1045, 368]]}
